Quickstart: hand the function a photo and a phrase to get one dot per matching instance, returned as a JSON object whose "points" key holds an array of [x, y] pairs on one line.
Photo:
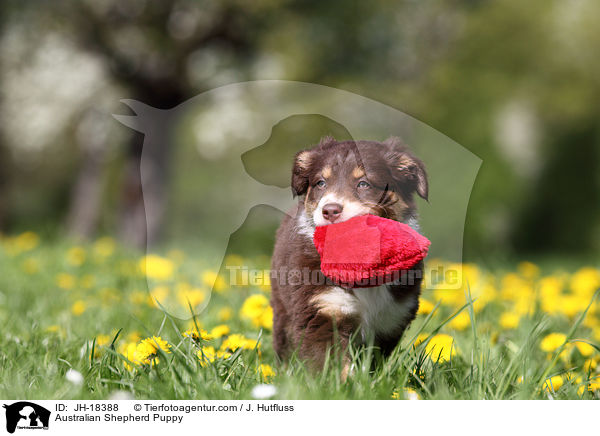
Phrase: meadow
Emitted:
{"points": [[88, 321]]}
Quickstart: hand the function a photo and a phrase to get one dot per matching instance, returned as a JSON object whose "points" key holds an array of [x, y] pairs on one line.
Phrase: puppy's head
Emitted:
{"points": [[340, 180]]}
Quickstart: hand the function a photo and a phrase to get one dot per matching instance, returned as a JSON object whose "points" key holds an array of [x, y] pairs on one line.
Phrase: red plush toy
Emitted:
{"points": [[368, 250]]}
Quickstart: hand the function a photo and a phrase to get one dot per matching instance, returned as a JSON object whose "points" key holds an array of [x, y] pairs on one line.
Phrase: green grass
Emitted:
{"points": [[42, 338]]}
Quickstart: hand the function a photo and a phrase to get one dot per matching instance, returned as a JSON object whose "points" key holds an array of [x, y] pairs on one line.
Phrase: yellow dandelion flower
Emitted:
{"points": [[485, 295], [425, 307], [550, 293], [592, 385], [220, 331], [565, 354], [256, 309], [571, 305], [198, 336], [235, 341], [206, 355], [585, 282], [421, 338], [224, 314], [55, 329], [528, 270], [524, 304], [441, 348], [26, 241], [158, 295], [147, 350], [31, 266], [102, 340], [192, 296], [78, 307], [157, 267], [552, 342], [223, 354], [584, 348], [143, 353], [128, 350], [509, 320], [76, 256], [514, 287], [265, 371], [214, 281], [554, 383], [449, 297], [134, 337], [461, 321], [65, 281], [104, 247], [589, 365], [266, 319], [591, 322]]}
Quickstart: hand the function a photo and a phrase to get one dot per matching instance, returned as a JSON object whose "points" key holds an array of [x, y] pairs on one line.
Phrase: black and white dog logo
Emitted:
{"points": [[26, 415]]}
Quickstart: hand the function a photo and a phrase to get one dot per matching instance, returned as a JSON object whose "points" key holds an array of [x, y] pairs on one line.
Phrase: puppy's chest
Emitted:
{"points": [[378, 311]]}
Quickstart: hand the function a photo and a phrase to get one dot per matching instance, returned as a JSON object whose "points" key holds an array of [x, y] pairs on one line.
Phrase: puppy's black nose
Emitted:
{"points": [[332, 211]]}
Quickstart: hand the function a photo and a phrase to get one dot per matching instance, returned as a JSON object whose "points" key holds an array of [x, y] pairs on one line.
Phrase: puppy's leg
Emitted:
{"points": [[281, 321], [323, 334], [328, 322]]}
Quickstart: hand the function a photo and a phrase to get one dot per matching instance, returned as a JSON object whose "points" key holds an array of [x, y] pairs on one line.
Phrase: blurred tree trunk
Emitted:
{"points": [[85, 198], [86, 195]]}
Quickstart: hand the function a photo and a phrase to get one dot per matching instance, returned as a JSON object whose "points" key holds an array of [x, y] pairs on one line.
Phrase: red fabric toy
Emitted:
{"points": [[368, 250]]}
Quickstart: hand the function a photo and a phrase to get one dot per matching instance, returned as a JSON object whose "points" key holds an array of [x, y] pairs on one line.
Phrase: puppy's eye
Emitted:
{"points": [[321, 184], [363, 184]]}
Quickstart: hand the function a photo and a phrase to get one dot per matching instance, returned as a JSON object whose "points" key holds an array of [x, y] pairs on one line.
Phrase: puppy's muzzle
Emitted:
{"points": [[332, 211]]}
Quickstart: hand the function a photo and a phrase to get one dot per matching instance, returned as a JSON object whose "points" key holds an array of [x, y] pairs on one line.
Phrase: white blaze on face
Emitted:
{"points": [[351, 208]]}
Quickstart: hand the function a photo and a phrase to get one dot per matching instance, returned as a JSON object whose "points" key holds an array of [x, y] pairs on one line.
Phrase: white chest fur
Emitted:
{"points": [[380, 312], [376, 307]]}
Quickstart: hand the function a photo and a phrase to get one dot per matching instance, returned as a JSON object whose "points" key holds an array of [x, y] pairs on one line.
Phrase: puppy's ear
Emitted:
{"points": [[407, 170], [300, 172]]}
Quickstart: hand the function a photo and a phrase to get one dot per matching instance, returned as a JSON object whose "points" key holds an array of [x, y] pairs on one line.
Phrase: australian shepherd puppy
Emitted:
{"points": [[335, 181]]}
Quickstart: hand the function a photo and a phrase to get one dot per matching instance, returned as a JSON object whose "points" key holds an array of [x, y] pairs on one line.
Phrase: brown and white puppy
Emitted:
{"points": [[336, 181]]}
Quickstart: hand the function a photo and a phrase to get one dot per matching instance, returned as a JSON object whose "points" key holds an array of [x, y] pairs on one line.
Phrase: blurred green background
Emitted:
{"points": [[516, 83]]}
